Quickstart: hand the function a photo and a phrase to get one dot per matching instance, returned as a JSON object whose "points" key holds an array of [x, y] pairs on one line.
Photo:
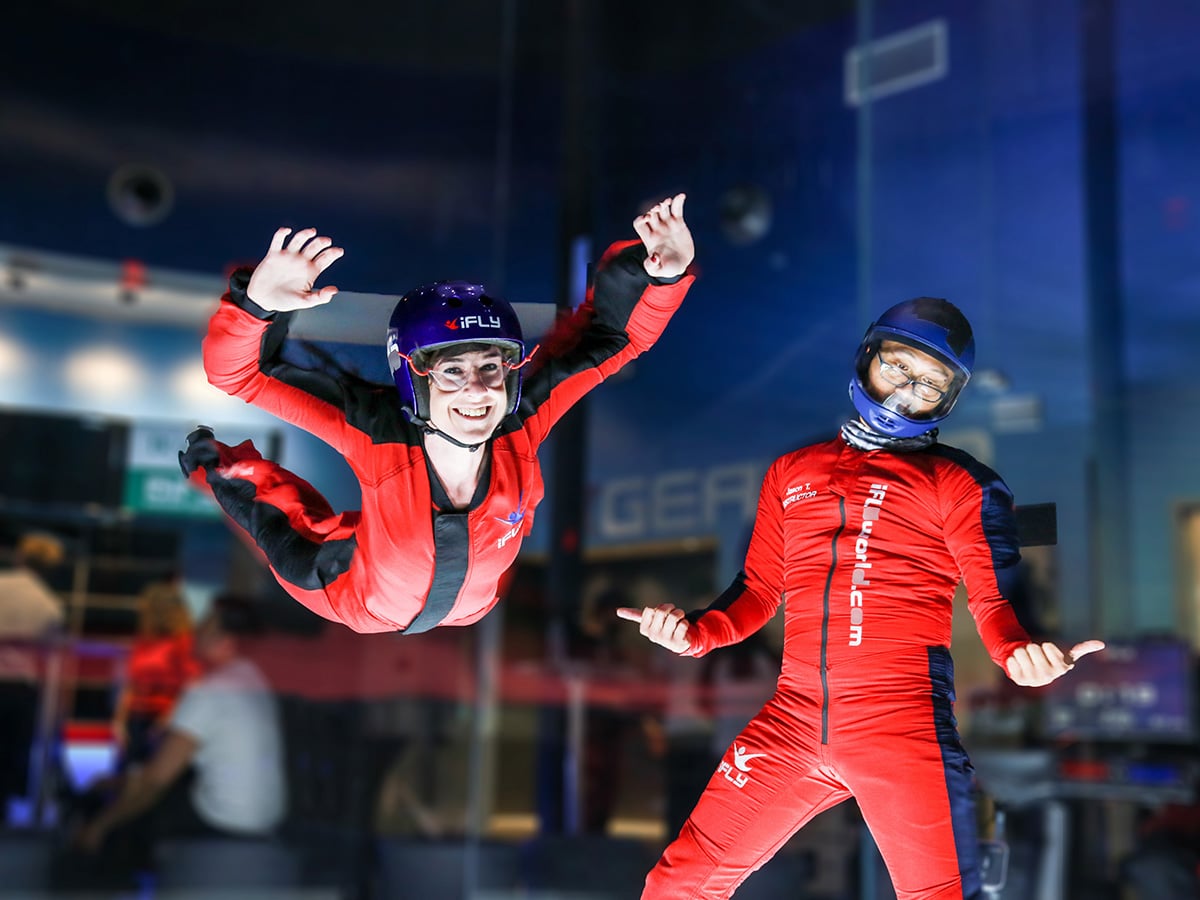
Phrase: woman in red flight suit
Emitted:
{"points": [[866, 537], [448, 469], [160, 666]]}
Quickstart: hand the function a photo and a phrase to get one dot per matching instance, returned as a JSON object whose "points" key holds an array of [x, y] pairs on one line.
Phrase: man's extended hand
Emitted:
{"points": [[1035, 665], [283, 281], [669, 245], [663, 625]]}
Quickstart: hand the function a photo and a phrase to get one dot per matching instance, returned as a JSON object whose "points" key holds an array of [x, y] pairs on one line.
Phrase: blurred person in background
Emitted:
{"points": [[1164, 863], [29, 612], [219, 768], [28, 606], [446, 458], [160, 665], [607, 664], [866, 536]]}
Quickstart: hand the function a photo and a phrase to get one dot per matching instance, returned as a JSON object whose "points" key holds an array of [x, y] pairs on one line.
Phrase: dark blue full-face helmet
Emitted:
{"points": [[930, 325], [434, 317]]}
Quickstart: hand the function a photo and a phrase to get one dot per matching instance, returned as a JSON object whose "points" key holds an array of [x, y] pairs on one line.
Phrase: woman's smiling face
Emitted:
{"points": [[467, 393]]}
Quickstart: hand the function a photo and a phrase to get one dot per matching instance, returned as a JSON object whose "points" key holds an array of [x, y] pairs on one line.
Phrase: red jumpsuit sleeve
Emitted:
{"points": [[981, 533], [755, 594], [241, 357], [624, 314]]}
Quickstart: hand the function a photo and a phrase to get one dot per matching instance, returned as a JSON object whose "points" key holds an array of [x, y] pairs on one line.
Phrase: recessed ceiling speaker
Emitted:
{"points": [[140, 195]]}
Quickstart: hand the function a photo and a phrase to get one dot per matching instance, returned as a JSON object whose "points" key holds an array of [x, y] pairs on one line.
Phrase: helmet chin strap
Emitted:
{"points": [[429, 428]]}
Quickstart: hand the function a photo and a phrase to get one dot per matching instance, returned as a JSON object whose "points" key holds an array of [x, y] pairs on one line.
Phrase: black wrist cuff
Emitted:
{"points": [[238, 282]]}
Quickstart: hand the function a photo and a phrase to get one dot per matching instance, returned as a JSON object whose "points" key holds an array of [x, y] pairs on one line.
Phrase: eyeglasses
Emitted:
{"points": [[451, 375], [897, 376]]}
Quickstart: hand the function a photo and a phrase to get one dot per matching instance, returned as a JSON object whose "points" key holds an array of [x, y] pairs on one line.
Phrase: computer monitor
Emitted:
{"points": [[1140, 691]]}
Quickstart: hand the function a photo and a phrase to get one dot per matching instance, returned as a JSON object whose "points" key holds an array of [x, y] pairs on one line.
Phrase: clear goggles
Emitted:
{"points": [[455, 374]]}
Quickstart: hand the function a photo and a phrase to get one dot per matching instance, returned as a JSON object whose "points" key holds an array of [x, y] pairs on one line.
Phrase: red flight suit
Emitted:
{"points": [[866, 550], [407, 561]]}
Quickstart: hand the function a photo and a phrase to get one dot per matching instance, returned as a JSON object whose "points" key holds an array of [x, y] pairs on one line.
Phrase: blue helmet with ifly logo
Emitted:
{"points": [[445, 314], [927, 324]]}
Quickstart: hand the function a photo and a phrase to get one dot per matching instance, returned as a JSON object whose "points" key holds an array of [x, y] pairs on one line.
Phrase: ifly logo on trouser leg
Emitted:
{"points": [[858, 580], [735, 772]]}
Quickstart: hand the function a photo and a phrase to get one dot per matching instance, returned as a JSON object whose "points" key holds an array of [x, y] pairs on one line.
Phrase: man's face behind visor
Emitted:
{"points": [[906, 380]]}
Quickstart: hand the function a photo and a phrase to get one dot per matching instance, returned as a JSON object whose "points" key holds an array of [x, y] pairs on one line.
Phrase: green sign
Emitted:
{"points": [[154, 483], [160, 490]]}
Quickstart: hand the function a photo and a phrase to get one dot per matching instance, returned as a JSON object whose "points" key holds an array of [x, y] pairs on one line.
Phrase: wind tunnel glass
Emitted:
{"points": [[922, 389]]}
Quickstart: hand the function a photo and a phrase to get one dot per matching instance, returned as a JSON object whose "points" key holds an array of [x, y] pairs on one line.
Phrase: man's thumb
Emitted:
{"points": [[1084, 648]]}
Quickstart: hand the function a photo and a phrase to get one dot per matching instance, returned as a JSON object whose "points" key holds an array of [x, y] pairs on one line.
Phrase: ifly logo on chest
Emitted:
{"points": [[513, 521], [872, 506]]}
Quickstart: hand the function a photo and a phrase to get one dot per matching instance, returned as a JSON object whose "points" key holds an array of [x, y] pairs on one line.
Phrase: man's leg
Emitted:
{"points": [[769, 783], [908, 770]]}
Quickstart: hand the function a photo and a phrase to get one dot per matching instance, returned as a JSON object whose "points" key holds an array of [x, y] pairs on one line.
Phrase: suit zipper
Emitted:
{"points": [[825, 623]]}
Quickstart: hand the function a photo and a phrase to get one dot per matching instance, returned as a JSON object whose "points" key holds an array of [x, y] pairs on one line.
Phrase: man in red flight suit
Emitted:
{"points": [[448, 468], [866, 537]]}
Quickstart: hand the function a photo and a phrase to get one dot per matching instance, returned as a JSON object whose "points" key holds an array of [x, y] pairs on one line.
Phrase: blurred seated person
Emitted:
{"points": [[1165, 861], [226, 729], [606, 727], [29, 612], [160, 665], [28, 607]]}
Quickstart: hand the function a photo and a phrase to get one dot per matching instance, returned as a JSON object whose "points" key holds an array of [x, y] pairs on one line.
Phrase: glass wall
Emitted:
{"points": [[1029, 161]]}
